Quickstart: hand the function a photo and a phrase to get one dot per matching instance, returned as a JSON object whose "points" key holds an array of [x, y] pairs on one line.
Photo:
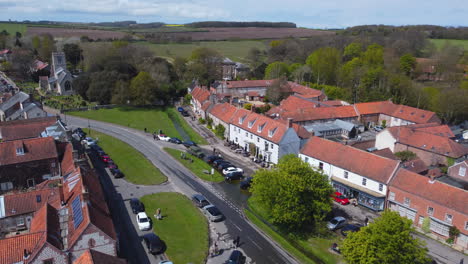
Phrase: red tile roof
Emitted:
{"points": [[95, 257], [46, 220], [426, 65], [321, 113], [272, 130], [200, 94], [436, 192], [416, 165], [404, 112], [304, 91], [252, 93], [223, 112], [424, 140], [34, 149], [27, 202], [355, 160], [23, 129], [39, 65], [248, 83], [206, 105], [386, 152], [292, 104], [67, 163], [12, 248]]}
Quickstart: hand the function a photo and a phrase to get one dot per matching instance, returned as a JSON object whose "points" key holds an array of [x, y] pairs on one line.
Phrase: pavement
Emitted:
{"points": [[254, 244]]}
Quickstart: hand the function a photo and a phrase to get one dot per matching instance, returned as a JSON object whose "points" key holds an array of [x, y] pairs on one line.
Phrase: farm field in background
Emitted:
{"points": [[13, 28], [439, 43], [64, 32]]}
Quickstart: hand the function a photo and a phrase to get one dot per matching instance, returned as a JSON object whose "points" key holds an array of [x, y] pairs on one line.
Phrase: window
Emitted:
{"points": [[448, 218], [364, 181], [258, 139], [380, 187], [52, 164], [251, 136], [20, 222], [19, 151], [345, 175], [91, 243], [430, 210], [271, 145], [407, 201], [421, 220], [5, 186], [67, 86], [246, 134], [48, 261], [462, 171], [306, 159], [439, 228], [321, 165], [391, 196], [466, 225], [236, 139]]}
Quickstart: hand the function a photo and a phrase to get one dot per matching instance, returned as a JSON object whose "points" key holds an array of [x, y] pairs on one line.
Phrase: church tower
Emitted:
{"points": [[58, 61]]}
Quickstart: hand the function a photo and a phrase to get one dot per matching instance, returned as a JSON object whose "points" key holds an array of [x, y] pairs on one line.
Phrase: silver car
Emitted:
{"points": [[212, 213], [336, 223]]}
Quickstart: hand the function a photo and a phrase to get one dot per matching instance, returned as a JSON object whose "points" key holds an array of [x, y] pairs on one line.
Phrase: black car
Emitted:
{"points": [[225, 165], [200, 200], [217, 162], [136, 206], [153, 243], [117, 173], [185, 113], [232, 176], [189, 144], [350, 228], [236, 257], [175, 140], [211, 159], [245, 184]]}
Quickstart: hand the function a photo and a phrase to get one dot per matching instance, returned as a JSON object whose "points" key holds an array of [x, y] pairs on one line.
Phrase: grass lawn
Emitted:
{"points": [[310, 250], [133, 164], [12, 28], [196, 167], [183, 228], [439, 43], [235, 50], [153, 119]]}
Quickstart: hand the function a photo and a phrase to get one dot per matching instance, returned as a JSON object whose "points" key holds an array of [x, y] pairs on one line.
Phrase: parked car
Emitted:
{"points": [[196, 151], [136, 206], [340, 198], [175, 140], [180, 109], [378, 128], [350, 228], [163, 137], [245, 184], [225, 165], [232, 169], [233, 176], [105, 158], [101, 153], [185, 113], [153, 243], [96, 147], [236, 257], [166, 262], [117, 173], [219, 161], [111, 165], [189, 143], [212, 158], [90, 141], [213, 213], [200, 200], [336, 223], [143, 221]]}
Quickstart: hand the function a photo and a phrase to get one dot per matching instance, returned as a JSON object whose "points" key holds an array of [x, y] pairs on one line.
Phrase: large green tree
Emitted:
{"points": [[276, 70], [324, 63], [407, 64], [294, 194], [143, 89], [386, 241], [72, 53], [205, 65]]}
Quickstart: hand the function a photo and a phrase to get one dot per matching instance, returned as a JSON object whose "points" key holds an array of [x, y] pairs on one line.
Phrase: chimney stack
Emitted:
{"points": [[290, 122], [62, 196]]}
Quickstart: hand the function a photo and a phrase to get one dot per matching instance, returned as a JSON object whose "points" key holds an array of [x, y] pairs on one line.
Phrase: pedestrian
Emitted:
{"points": [[214, 151], [215, 249], [462, 260], [237, 241], [145, 129], [158, 214], [366, 221], [154, 136]]}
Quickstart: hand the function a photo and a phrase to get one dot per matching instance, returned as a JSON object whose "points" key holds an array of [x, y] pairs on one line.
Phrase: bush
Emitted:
{"points": [[405, 155], [187, 99], [248, 106], [219, 131], [201, 121], [450, 240], [426, 225]]}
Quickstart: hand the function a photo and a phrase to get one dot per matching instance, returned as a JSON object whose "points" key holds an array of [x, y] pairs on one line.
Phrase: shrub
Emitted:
{"points": [[201, 121], [219, 131], [248, 106], [426, 225], [405, 155]]}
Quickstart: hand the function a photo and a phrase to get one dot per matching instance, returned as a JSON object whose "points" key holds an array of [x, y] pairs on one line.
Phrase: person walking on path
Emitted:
{"points": [[366, 221], [237, 241]]}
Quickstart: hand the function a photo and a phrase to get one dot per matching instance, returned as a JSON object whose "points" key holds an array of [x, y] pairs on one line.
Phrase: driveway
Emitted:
{"points": [[254, 243]]}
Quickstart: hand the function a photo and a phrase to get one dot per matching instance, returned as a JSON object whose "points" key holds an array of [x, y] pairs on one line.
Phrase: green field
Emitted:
{"points": [[312, 250], [136, 168], [13, 28], [235, 50], [183, 228], [153, 119], [439, 43], [197, 166]]}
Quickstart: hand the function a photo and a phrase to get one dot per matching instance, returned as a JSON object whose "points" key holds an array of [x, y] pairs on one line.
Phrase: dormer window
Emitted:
{"points": [[19, 151], [241, 119], [251, 123], [260, 127], [272, 132]]}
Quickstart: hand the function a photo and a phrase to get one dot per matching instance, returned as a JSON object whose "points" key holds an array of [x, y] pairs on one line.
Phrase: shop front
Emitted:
{"points": [[367, 198]]}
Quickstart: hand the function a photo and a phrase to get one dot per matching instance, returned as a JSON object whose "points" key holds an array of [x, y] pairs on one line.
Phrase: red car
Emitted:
{"points": [[340, 198], [111, 165], [105, 158]]}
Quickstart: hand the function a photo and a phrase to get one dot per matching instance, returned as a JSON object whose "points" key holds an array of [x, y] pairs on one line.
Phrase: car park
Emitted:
{"points": [[236, 257], [245, 184], [232, 169], [189, 143], [175, 140], [213, 213], [217, 162], [136, 206], [212, 158], [196, 151], [143, 221], [200, 200], [163, 137], [233, 176], [336, 223], [117, 173], [153, 243], [350, 228], [340, 198]]}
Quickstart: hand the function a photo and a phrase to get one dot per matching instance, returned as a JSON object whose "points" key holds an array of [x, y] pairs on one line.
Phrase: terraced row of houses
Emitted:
{"points": [[326, 134]]}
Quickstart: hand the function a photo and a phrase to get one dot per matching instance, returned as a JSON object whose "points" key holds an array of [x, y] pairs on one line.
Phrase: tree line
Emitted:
{"points": [[431, 31], [241, 24]]}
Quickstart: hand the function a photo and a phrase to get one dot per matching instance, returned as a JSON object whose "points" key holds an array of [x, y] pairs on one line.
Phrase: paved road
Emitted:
{"points": [[259, 248]]}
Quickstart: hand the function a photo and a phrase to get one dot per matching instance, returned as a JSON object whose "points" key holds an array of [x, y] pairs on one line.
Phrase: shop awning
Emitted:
{"points": [[358, 187]]}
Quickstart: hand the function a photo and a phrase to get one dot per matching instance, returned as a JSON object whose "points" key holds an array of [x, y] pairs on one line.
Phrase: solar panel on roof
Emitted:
{"points": [[77, 212]]}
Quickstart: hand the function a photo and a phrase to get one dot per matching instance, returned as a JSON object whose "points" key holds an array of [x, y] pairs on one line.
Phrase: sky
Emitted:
{"points": [[305, 13]]}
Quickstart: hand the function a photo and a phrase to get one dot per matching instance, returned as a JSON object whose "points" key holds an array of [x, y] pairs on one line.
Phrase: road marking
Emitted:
{"points": [[237, 227], [255, 244]]}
